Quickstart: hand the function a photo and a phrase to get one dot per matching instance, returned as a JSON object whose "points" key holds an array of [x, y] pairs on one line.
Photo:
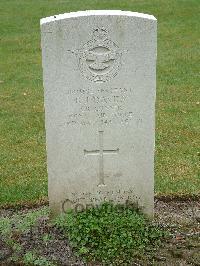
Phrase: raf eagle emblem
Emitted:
{"points": [[100, 58]]}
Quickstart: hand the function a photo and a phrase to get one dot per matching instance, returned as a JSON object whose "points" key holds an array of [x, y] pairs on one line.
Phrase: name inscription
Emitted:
{"points": [[100, 106]]}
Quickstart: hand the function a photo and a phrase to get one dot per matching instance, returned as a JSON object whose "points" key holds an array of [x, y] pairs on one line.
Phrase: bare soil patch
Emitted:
{"points": [[180, 218]]}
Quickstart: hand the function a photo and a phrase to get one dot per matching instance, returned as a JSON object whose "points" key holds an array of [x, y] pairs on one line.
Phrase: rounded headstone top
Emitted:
{"points": [[95, 13]]}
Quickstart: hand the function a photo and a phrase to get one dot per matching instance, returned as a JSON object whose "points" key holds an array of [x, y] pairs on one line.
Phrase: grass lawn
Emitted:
{"points": [[23, 175]]}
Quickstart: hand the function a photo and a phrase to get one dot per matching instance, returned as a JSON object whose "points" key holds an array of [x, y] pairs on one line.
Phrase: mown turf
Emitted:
{"points": [[23, 175]]}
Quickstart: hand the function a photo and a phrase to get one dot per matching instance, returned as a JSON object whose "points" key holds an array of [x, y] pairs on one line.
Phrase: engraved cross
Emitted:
{"points": [[101, 152]]}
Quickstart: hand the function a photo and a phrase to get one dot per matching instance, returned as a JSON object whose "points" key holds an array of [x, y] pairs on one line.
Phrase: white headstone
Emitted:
{"points": [[99, 70]]}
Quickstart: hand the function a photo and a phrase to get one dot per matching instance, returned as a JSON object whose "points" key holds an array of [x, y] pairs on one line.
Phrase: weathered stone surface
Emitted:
{"points": [[99, 70]]}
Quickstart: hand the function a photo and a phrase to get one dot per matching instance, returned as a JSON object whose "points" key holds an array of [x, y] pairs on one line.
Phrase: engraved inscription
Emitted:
{"points": [[101, 153], [100, 58], [85, 200], [100, 106]]}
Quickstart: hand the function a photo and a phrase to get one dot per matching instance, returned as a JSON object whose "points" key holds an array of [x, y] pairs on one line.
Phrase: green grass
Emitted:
{"points": [[23, 176], [12, 227], [110, 234], [31, 259], [114, 235]]}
